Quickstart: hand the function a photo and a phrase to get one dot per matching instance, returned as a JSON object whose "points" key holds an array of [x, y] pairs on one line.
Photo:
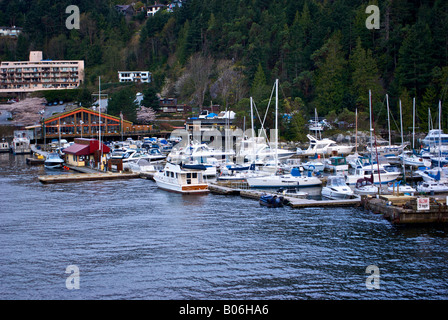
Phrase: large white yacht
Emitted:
{"points": [[177, 178]]}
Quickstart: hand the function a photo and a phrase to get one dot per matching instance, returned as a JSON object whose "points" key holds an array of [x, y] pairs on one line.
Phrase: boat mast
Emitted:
{"points": [[388, 117], [413, 124], [276, 124], [440, 131], [253, 129], [402, 142], [356, 131]]}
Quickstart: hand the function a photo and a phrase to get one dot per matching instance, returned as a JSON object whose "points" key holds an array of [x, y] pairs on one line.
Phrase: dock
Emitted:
{"points": [[293, 201], [78, 177], [407, 210]]}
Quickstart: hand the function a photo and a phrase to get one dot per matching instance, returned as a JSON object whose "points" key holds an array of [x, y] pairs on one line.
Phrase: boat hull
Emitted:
{"points": [[269, 182], [178, 188]]}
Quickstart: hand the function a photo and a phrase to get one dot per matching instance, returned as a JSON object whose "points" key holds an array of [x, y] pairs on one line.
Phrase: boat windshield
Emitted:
{"points": [[337, 182]]}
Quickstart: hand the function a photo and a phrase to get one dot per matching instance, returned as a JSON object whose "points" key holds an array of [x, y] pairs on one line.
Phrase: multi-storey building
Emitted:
{"points": [[38, 74], [134, 76]]}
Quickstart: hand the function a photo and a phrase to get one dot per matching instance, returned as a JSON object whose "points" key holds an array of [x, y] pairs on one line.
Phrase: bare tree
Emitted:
{"points": [[200, 68]]}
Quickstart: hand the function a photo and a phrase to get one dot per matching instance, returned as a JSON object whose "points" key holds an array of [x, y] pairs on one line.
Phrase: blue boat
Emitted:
{"points": [[273, 201]]}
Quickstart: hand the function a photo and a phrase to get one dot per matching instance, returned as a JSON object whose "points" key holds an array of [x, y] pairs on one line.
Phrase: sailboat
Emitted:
{"points": [[294, 178]]}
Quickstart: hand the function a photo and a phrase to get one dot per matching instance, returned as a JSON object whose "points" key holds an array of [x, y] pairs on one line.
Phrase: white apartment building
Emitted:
{"points": [[134, 76], [37, 74], [10, 31]]}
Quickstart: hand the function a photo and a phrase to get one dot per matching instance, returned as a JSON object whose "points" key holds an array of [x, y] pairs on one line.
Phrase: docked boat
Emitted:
{"points": [[336, 164], [434, 136], [53, 161], [433, 187], [314, 165], [4, 146], [325, 146], [382, 175], [336, 188], [272, 201], [177, 178], [397, 187], [21, 143], [293, 179], [414, 160], [292, 192], [365, 186]]}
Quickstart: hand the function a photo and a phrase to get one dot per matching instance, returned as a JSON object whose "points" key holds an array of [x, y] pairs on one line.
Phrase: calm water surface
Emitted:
{"points": [[131, 240]]}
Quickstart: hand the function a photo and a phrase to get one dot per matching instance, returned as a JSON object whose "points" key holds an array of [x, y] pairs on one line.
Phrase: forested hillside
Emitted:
{"points": [[226, 51]]}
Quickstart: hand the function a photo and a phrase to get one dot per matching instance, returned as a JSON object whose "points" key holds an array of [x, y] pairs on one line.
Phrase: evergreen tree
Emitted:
{"points": [[330, 79], [259, 89], [123, 101], [364, 77], [415, 60]]}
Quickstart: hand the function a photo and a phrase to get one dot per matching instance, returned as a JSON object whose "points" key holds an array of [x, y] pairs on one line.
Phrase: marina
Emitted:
{"points": [[227, 246]]}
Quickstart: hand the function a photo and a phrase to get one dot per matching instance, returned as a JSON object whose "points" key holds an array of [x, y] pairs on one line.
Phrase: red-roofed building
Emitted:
{"points": [[83, 151]]}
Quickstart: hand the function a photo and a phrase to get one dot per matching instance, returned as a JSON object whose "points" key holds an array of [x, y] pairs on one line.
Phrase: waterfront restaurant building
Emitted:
{"points": [[37, 74], [85, 152], [85, 123]]}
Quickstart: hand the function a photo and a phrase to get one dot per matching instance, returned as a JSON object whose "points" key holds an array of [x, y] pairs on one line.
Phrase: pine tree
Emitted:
{"points": [[364, 72], [259, 88], [330, 78]]}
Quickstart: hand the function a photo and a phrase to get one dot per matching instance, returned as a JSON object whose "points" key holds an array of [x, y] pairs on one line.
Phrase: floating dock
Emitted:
{"points": [[293, 201], [61, 178]]}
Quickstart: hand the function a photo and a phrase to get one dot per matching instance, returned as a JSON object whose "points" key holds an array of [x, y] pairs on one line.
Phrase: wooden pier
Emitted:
{"points": [[406, 210]]}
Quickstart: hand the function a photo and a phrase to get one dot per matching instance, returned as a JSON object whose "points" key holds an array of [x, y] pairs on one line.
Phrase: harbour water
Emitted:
{"points": [[131, 240]]}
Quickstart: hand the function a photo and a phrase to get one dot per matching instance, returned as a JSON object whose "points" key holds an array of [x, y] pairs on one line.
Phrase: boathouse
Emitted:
{"points": [[85, 122], [85, 152]]}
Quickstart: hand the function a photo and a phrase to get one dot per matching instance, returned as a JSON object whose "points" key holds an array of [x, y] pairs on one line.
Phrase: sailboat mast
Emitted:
{"points": [[253, 129], [388, 118], [440, 130], [356, 131], [402, 141], [276, 124], [413, 124]]}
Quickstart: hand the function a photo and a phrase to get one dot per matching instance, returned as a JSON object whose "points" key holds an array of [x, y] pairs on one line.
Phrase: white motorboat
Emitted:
{"points": [[336, 164], [293, 179], [314, 165], [325, 146], [365, 186], [21, 143], [292, 192], [177, 178], [53, 161], [434, 136], [336, 188], [432, 187], [397, 187], [382, 175], [4, 146], [143, 165]]}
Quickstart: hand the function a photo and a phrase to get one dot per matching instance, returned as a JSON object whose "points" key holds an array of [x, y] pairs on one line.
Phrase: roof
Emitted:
{"points": [[78, 149]]}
